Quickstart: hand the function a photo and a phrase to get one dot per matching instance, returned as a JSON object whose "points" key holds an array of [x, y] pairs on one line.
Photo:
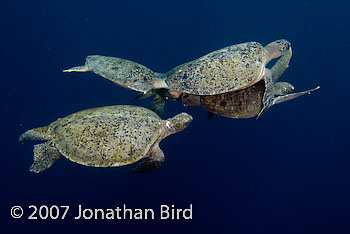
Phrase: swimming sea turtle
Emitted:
{"points": [[253, 100], [122, 72], [105, 137], [231, 68], [127, 74]]}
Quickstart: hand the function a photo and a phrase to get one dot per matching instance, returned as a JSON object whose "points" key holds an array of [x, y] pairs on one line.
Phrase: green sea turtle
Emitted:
{"points": [[105, 137], [122, 72], [231, 68], [253, 100], [127, 74]]}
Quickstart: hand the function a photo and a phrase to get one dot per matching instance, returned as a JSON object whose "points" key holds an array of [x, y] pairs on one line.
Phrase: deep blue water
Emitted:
{"points": [[287, 172]]}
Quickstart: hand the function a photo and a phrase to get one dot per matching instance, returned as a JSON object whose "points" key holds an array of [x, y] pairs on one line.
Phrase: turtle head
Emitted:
{"points": [[177, 123], [282, 88], [277, 48]]}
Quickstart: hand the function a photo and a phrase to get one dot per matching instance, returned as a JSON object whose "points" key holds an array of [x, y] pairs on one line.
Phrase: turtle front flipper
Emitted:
{"points": [[291, 96], [281, 65], [278, 93], [45, 154], [144, 95], [138, 86], [157, 104], [154, 161]]}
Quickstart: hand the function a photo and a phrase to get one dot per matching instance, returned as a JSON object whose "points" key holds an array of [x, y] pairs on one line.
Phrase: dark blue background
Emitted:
{"points": [[287, 172]]}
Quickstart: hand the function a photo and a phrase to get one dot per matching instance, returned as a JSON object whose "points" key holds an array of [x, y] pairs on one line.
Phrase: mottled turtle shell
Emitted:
{"points": [[231, 68], [123, 72], [245, 103], [106, 136]]}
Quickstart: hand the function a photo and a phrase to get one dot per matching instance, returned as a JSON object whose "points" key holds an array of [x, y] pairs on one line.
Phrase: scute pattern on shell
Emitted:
{"points": [[246, 103], [231, 68], [121, 71], [106, 136]]}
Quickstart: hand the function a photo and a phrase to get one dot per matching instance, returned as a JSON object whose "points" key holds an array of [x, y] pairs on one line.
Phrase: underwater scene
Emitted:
{"points": [[175, 116]]}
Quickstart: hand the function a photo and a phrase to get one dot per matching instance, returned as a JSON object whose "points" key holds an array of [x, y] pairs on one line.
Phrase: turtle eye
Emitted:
{"points": [[288, 89]]}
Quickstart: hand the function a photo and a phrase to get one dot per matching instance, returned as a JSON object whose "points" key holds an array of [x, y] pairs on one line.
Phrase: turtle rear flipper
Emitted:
{"points": [[151, 163], [35, 134], [83, 68], [45, 154]]}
